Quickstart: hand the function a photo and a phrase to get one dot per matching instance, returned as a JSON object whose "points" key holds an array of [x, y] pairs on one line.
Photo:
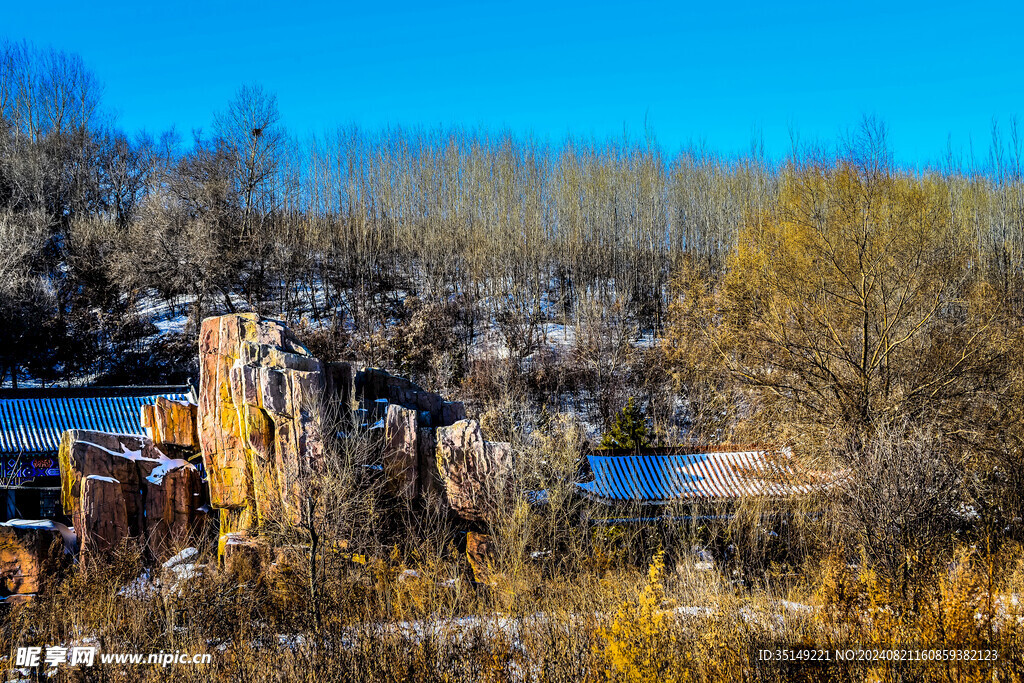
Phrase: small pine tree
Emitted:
{"points": [[629, 431]]}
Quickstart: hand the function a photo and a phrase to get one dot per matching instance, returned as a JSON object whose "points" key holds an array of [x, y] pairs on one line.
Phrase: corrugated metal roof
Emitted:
{"points": [[33, 425], [662, 479]]}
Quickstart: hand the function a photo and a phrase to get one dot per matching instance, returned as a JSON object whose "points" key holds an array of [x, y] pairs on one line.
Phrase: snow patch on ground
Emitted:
{"points": [[186, 554]]}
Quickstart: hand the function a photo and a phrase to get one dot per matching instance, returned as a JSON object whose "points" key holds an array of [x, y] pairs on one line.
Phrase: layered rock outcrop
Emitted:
{"points": [[260, 396], [259, 393], [411, 417], [373, 385], [258, 424], [116, 486], [172, 423]]}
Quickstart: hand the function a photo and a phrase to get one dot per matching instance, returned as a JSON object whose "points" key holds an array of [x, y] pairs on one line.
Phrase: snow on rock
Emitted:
{"points": [[184, 555], [25, 546], [137, 456], [67, 533], [166, 467], [109, 480]]}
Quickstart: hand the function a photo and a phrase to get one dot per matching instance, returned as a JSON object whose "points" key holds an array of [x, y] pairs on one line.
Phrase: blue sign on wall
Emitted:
{"points": [[27, 467]]}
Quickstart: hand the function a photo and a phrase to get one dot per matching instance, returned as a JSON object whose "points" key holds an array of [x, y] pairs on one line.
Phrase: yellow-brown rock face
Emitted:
{"points": [[401, 462], [475, 473], [116, 486], [171, 422], [257, 429], [26, 549], [242, 555], [480, 553]]}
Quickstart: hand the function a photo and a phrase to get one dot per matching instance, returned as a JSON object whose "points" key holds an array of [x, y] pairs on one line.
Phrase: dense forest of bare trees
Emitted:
{"points": [[354, 233]]}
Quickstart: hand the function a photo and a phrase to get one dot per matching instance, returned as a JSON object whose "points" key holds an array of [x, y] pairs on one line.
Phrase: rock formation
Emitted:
{"points": [[411, 417], [103, 514], [400, 455], [259, 388], [241, 555], [116, 486], [172, 490], [374, 384], [118, 456], [258, 425], [171, 423], [480, 553], [475, 473], [27, 549]]}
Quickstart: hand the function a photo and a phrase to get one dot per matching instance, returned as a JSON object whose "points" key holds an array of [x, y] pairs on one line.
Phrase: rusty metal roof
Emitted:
{"points": [[660, 479], [34, 424]]}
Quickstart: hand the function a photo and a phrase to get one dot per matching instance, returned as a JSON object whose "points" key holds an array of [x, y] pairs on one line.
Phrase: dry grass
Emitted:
{"points": [[396, 602], [379, 622]]}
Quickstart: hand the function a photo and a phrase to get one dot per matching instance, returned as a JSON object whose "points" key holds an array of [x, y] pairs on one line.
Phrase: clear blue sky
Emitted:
{"points": [[713, 72]]}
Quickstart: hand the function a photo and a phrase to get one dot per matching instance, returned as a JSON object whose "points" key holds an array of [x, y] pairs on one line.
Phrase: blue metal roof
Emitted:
{"points": [[35, 425], [663, 479]]}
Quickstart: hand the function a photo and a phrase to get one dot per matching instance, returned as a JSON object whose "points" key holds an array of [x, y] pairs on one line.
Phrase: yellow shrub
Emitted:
{"points": [[631, 646]]}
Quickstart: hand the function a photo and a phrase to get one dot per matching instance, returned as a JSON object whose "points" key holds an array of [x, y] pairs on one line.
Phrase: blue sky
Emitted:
{"points": [[716, 73]]}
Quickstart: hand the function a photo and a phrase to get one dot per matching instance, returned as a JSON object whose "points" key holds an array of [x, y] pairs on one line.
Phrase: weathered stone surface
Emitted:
{"points": [[171, 422], [431, 487], [172, 494], [341, 389], [119, 456], [220, 434], [260, 440], [480, 553], [259, 392], [104, 517], [452, 412], [26, 549], [401, 462], [137, 491], [475, 473], [374, 384], [236, 520]]}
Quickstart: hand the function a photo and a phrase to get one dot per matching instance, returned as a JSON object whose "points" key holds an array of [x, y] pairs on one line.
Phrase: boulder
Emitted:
{"points": [[400, 456], [27, 548], [242, 555], [475, 473], [104, 518], [172, 423]]}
